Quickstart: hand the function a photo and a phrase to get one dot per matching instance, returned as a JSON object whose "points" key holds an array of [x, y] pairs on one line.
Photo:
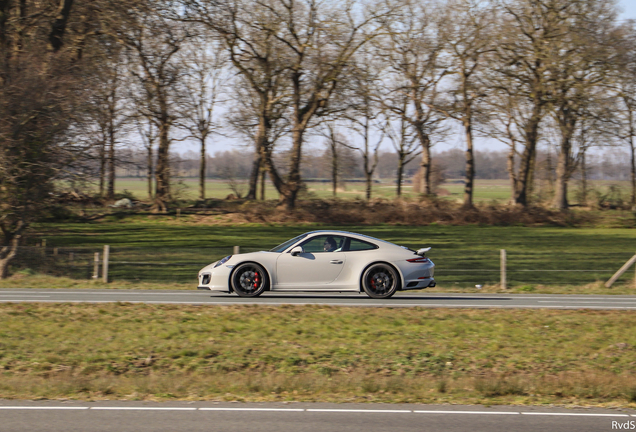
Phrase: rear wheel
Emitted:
{"points": [[380, 281], [249, 280]]}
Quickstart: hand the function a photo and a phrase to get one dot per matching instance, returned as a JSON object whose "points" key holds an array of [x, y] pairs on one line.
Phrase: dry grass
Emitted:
{"points": [[413, 212], [314, 353]]}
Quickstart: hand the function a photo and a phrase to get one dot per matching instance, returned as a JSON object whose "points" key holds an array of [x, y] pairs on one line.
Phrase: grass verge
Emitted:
{"points": [[316, 353]]}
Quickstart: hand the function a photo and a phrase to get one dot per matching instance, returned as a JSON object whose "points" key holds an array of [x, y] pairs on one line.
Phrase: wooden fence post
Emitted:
{"points": [[620, 271], [105, 264], [503, 281], [96, 266], [237, 250]]}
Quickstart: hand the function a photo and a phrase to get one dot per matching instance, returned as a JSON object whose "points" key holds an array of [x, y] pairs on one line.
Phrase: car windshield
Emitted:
{"points": [[281, 247]]}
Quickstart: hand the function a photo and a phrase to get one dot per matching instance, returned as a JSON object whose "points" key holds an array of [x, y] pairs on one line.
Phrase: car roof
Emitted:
{"points": [[352, 234]]}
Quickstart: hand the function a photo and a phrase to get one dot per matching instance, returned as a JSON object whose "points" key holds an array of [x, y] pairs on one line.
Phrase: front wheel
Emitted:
{"points": [[249, 280], [380, 281]]}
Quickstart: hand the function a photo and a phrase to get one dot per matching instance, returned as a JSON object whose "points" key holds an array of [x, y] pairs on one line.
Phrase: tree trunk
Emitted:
{"points": [[632, 151], [334, 162], [425, 178], [561, 186], [526, 165], [563, 171], [290, 193], [369, 179], [110, 193], [260, 144], [470, 164], [149, 172], [400, 173], [263, 180], [8, 253], [102, 167], [257, 164], [583, 180], [202, 169], [58, 27], [162, 173], [510, 167], [334, 170]]}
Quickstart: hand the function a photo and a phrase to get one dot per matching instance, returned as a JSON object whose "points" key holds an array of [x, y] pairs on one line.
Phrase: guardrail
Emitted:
{"points": [[454, 267]]}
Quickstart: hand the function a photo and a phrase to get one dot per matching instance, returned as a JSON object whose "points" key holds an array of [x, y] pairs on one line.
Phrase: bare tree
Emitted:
{"points": [[623, 86], [255, 52], [152, 42], [107, 110], [577, 63], [334, 141], [519, 76], [307, 43], [466, 30], [404, 142], [203, 85], [148, 133], [43, 90], [365, 113], [413, 54]]}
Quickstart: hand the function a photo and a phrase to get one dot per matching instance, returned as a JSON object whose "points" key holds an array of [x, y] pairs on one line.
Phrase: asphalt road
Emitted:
{"points": [[121, 416], [406, 299]]}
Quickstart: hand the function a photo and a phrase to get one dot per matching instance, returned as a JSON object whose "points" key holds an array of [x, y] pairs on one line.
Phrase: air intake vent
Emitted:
{"points": [[205, 279]]}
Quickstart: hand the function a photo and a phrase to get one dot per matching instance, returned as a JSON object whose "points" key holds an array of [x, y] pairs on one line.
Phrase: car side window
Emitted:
{"points": [[360, 245], [323, 243]]}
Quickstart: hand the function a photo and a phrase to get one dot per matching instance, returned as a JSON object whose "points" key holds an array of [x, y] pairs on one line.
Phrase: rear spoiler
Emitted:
{"points": [[423, 251]]}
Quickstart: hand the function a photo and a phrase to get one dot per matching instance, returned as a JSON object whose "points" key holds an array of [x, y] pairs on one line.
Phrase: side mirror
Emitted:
{"points": [[296, 251]]}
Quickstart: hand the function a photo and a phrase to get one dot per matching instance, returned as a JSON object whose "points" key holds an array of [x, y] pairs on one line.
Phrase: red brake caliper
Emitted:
{"points": [[256, 280], [373, 282]]}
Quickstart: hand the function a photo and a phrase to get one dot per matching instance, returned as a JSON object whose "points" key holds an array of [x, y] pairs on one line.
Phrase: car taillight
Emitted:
{"points": [[418, 260]]}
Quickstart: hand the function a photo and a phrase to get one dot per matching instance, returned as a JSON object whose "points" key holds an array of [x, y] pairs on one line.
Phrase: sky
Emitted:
{"points": [[628, 11]]}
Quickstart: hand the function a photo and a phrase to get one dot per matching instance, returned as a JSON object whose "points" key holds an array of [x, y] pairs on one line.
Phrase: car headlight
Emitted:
{"points": [[223, 261]]}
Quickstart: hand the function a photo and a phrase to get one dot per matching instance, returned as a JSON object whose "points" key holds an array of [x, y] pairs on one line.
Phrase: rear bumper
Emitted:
{"points": [[419, 284]]}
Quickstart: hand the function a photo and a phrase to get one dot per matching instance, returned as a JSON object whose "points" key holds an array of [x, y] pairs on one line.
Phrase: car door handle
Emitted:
{"points": [[336, 261]]}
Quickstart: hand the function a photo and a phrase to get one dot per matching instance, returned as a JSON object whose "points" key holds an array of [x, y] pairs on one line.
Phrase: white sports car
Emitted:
{"points": [[323, 261]]}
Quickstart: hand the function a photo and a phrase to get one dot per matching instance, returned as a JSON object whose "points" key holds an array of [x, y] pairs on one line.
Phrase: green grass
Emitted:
{"points": [[464, 255], [116, 351]]}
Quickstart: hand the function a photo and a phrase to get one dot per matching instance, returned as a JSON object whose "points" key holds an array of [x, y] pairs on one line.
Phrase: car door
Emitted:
{"points": [[318, 265]]}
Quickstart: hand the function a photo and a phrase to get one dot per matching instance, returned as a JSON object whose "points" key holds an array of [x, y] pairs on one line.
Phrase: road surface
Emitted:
{"points": [[405, 299]]}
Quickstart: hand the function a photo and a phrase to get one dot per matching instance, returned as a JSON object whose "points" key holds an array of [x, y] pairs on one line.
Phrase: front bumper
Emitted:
{"points": [[215, 279]]}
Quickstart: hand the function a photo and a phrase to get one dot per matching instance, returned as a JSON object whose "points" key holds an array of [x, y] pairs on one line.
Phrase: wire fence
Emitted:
{"points": [[454, 267]]}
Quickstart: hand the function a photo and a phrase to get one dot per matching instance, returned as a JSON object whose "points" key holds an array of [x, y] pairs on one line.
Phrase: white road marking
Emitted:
{"points": [[466, 412], [252, 409], [145, 408], [23, 295], [576, 414], [357, 410], [41, 408], [585, 301]]}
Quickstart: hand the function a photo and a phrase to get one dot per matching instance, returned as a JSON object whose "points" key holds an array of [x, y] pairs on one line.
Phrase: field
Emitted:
{"points": [[167, 249], [485, 190], [314, 353]]}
